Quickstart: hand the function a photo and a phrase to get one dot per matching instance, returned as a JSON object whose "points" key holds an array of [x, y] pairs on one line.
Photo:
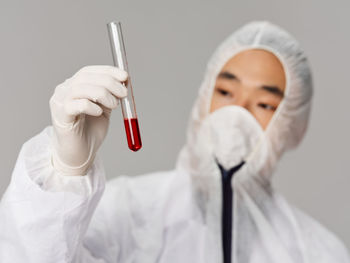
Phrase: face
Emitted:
{"points": [[253, 79]]}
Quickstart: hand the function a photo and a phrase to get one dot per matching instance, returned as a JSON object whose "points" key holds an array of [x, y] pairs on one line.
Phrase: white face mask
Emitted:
{"points": [[232, 135]]}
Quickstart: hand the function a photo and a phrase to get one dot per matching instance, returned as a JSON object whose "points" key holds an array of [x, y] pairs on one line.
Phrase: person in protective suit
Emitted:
{"points": [[217, 205]]}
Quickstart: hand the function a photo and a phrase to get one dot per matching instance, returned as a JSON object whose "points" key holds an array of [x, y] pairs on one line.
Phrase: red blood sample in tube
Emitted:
{"points": [[133, 134]]}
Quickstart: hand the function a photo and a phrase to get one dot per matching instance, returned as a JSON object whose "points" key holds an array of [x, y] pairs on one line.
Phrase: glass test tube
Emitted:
{"points": [[128, 104]]}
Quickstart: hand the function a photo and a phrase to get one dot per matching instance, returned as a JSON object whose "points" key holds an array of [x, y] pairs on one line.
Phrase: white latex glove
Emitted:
{"points": [[80, 112]]}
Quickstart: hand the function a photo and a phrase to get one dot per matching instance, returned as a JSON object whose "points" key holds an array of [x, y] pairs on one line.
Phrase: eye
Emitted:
{"points": [[267, 106], [224, 92]]}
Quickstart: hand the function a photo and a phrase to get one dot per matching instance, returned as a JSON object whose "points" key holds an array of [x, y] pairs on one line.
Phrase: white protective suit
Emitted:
{"points": [[175, 216]]}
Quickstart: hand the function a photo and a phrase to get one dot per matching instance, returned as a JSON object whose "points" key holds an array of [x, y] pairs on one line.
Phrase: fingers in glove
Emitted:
{"points": [[106, 81], [117, 73], [96, 94], [81, 106]]}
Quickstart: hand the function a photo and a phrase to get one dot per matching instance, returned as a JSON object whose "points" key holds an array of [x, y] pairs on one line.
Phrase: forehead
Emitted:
{"points": [[257, 65]]}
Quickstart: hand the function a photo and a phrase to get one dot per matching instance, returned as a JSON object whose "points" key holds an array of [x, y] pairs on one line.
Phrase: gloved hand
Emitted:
{"points": [[80, 112]]}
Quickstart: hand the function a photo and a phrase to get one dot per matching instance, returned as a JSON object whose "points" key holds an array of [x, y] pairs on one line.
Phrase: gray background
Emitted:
{"points": [[168, 45]]}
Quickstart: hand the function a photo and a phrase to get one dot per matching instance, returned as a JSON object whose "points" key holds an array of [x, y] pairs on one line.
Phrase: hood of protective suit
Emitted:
{"points": [[288, 125]]}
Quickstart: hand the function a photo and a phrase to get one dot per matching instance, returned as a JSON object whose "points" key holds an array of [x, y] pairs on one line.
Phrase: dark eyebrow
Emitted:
{"points": [[227, 75], [274, 90]]}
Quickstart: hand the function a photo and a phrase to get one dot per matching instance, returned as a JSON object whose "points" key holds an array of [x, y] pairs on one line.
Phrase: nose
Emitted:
{"points": [[242, 100]]}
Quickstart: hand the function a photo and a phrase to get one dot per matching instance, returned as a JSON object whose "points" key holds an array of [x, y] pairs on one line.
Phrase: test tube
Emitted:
{"points": [[128, 104]]}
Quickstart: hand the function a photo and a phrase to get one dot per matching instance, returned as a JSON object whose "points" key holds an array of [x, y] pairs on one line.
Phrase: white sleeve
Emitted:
{"points": [[44, 215]]}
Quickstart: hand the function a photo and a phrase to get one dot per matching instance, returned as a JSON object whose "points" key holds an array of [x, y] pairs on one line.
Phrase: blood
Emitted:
{"points": [[133, 134]]}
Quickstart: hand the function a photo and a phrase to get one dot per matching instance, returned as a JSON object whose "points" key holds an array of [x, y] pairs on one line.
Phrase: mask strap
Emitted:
{"points": [[255, 149]]}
